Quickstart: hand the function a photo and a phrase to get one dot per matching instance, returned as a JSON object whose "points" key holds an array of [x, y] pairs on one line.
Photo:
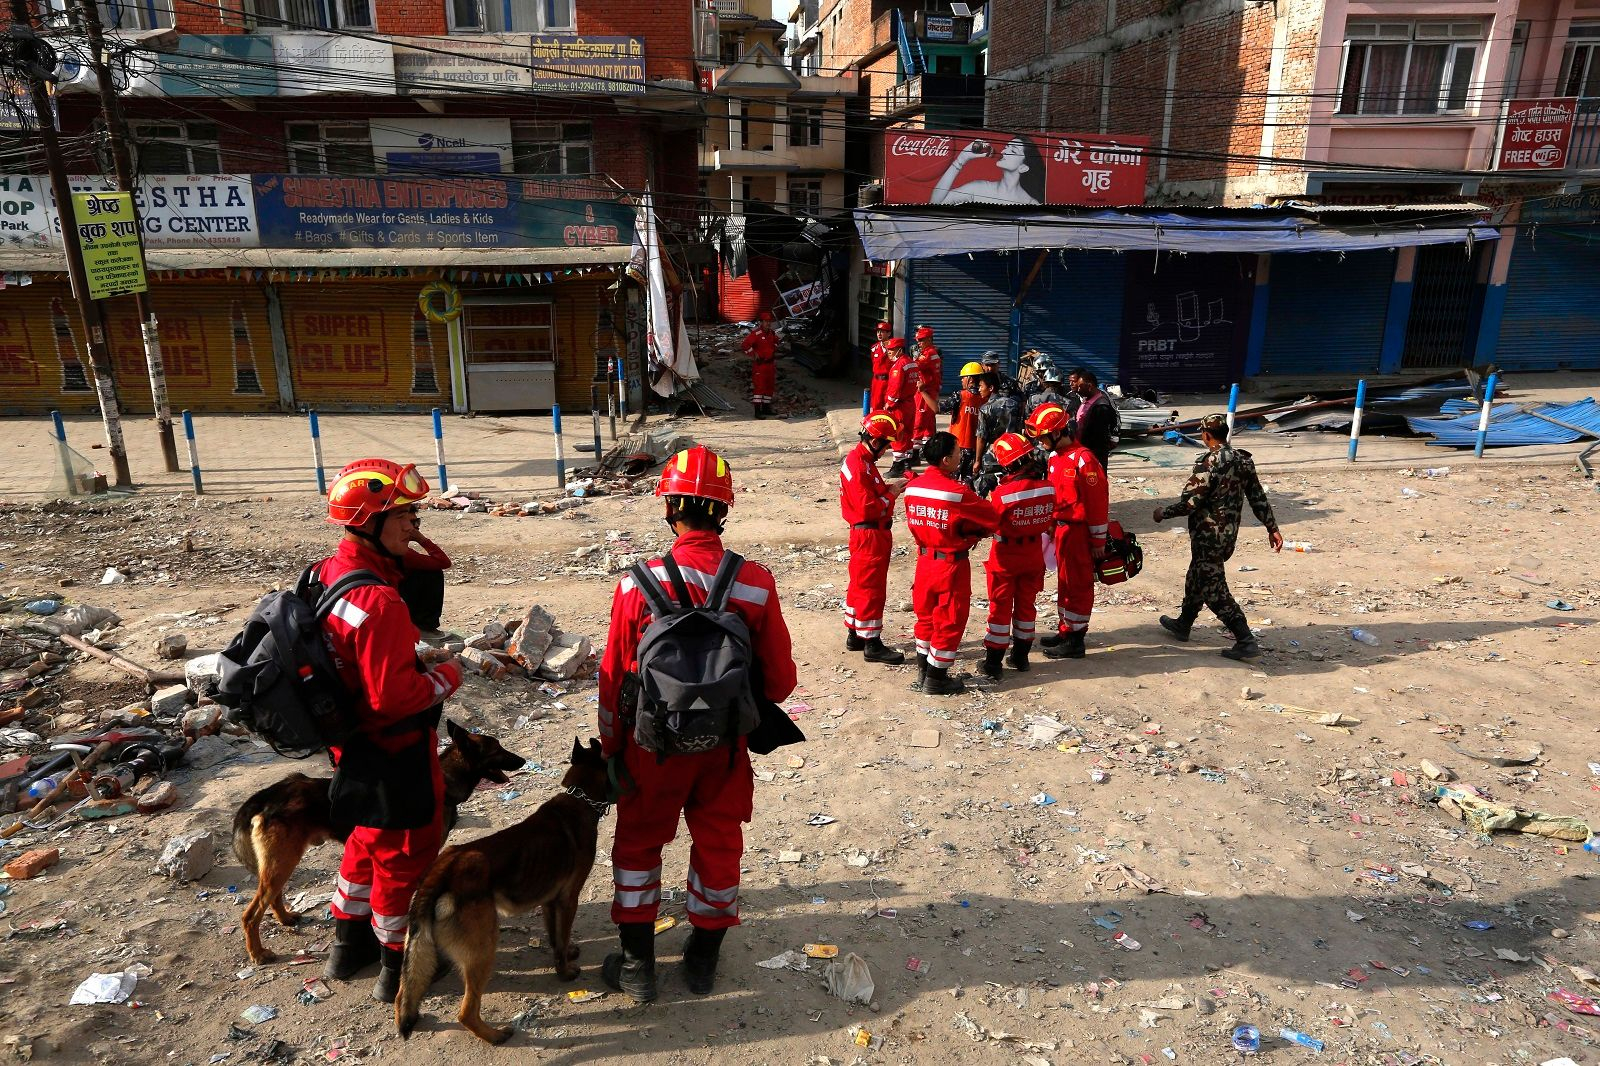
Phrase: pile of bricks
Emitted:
{"points": [[530, 647]]}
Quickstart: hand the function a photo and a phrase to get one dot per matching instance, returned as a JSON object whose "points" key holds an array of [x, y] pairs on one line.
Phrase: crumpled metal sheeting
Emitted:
{"points": [[1510, 424]]}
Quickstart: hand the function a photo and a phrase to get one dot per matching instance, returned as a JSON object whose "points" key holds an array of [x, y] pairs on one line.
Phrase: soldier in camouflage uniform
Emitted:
{"points": [[1214, 501]]}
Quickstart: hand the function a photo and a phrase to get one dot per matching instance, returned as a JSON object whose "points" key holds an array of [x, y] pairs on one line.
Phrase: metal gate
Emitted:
{"points": [[1445, 303], [967, 301], [1073, 310], [1552, 315], [1326, 311]]}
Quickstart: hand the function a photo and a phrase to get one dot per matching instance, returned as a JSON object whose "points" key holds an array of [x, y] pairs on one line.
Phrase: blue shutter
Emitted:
{"points": [[1552, 315], [967, 301], [1326, 312], [1073, 311]]}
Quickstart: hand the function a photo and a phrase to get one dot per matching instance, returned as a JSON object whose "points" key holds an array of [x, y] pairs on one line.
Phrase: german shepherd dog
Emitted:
{"points": [[275, 826], [541, 861]]}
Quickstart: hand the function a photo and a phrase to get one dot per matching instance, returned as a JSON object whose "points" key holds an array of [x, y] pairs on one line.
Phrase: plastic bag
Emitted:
{"points": [[850, 979]]}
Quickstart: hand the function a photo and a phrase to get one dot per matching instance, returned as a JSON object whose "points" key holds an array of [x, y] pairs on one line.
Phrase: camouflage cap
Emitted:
{"points": [[1214, 422]]}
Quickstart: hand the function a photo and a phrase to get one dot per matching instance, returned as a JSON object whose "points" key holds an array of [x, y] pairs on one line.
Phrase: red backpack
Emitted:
{"points": [[1124, 558]]}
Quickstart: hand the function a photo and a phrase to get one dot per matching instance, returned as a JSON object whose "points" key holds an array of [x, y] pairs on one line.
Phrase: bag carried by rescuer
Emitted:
{"points": [[278, 675], [694, 679], [1124, 558]]}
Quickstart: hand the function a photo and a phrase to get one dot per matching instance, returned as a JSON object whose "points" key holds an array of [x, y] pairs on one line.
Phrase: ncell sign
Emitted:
{"points": [[1016, 170], [1537, 134]]}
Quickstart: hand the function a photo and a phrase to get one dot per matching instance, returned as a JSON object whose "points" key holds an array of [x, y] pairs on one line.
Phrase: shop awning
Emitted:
{"points": [[54, 259], [925, 234]]}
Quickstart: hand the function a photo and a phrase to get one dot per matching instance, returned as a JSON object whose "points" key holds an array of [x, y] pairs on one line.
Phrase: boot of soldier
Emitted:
{"points": [[852, 642], [1179, 627], [700, 959], [1071, 647], [922, 673], [940, 683], [876, 651], [1017, 657], [990, 667], [1244, 644], [1054, 639], [355, 947], [632, 971], [387, 986]]}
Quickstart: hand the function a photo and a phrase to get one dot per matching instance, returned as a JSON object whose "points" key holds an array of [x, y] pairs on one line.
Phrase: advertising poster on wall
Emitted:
{"points": [[940, 168]]}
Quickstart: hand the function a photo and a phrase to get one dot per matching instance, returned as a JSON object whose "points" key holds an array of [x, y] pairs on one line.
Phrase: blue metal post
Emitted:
{"points": [[866, 402], [438, 447], [1355, 422], [63, 453], [316, 453], [1233, 407], [194, 454], [1483, 416], [561, 461]]}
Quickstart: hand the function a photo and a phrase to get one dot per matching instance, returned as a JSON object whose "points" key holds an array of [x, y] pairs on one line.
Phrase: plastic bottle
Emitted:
{"points": [[1246, 1038], [44, 786], [1436, 471], [1592, 845], [1301, 546], [1363, 637], [1294, 1036]]}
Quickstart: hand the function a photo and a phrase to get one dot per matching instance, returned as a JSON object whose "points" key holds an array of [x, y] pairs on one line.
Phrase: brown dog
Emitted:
{"points": [[275, 826], [541, 861]]}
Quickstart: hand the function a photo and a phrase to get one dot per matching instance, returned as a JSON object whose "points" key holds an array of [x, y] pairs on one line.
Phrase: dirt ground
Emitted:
{"points": [[1306, 879]]}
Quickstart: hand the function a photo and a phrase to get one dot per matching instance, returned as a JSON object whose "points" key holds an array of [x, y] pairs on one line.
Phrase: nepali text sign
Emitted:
{"points": [[311, 63], [1021, 170], [304, 211], [496, 61], [175, 210], [110, 239], [1537, 134], [608, 65], [221, 65]]}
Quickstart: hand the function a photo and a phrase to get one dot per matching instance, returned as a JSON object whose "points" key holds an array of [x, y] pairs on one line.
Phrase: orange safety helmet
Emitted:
{"points": [[880, 425], [1047, 418], [369, 487], [924, 333], [698, 472], [1008, 448]]}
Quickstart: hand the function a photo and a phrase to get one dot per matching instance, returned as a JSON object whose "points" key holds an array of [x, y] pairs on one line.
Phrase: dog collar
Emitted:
{"points": [[600, 807]]}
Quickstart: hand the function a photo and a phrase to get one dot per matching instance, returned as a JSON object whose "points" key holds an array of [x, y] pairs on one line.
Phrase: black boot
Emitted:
{"points": [[898, 469], [1053, 639], [355, 947], [1071, 647], [916, 455], [387, 986], [990, 666], [922, 673], [632, 971], [940, 683], [852, 642], [700, 959], [1244, 644], [758, 409], [876, 651], [1178, 627], [1018, 656]]}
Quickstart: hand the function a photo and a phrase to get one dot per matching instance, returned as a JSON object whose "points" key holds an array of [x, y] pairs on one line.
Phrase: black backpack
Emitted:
{"points": [[695, 665], [278, 674]]}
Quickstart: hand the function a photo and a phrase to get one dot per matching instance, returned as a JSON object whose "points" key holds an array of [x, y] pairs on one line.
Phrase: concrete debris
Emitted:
{"points": [[533, 637], [172, 646], [169, 702], [203, 673], [188, 857], [566, 657]]}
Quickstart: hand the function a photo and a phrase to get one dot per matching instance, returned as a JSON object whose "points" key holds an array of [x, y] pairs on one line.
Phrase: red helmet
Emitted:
{"points": [[896, 343], [1047, 418], [1008, 448], [924, 333], [880, 425], [368, 487], [885, 326], [698, 472], [765, 316]]}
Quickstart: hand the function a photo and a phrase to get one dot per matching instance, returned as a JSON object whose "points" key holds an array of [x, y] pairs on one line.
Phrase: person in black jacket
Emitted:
{"points": [[1096, 416]]}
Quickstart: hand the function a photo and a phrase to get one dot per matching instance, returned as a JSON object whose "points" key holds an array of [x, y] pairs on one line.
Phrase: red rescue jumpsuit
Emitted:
{"points": [[900, 400], [882, 360], [946, 518], [1082, 502], [761, 344], [868, 508], [930, 376], [1016, 561], [713, 796], [374, 645]]}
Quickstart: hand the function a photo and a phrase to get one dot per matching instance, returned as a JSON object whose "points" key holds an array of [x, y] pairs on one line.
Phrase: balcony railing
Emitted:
{"points": [[956, 95], [1585, 153]]}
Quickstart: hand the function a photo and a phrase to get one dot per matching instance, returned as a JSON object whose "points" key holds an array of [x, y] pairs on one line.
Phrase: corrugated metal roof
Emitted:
{"points": [[1310, 207], [274, 258]]}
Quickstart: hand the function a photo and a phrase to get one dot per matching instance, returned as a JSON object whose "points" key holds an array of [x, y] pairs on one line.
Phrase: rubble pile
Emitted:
{"points": [[529, 647]]}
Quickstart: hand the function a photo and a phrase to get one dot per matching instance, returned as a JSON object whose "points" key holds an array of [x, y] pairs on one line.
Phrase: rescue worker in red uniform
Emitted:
{"points": [[1027, 504], [964, 418], [761, 345], [1082, 503], [867, 503], [713, 790], [946, 518], [882, 360], [930, 378], [387, 781], [900, 399]]}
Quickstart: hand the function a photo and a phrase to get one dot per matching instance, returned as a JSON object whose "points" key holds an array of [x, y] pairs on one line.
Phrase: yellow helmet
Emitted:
{"points": [[971, 370]]}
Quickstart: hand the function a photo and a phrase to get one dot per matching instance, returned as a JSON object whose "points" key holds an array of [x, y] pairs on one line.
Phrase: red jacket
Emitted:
{"points": [[374, 644], [900, 392], [930, 376], [761, 344], [945, 515], [754, 598], [863, 494], [881, 362], [1081, 492], [1027, 509], [432, 557]]}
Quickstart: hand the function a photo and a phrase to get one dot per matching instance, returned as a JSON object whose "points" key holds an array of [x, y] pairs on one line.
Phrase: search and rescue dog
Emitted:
{"points": [[542, 861], [275, 826]]}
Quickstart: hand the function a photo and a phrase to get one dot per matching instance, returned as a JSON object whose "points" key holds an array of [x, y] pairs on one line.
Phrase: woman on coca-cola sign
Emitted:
{"points": [[1021, 178]]}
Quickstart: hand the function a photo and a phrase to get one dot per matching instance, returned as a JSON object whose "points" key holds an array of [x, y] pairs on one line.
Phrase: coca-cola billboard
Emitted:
{"points": [[1537, 134], [945, 168]]}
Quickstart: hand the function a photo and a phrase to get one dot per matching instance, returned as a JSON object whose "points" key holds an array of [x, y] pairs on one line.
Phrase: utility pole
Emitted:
{"points": [[88, 313], [117, 134]]}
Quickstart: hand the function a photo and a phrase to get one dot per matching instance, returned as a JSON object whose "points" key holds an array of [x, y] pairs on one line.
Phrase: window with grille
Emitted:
{"points": [[511, 16], [552, 147], [805, 127], [805, 198], [1408, 68], [1580, 61], [120, 14], [177, 147], [291, 15], [329, 148]]}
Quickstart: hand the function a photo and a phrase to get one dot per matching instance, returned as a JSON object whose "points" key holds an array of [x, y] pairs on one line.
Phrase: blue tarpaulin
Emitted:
{"points": [[1511, 424]]}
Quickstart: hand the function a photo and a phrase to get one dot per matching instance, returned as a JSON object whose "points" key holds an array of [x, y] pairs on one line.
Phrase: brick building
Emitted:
{"points": [[308, 168]]}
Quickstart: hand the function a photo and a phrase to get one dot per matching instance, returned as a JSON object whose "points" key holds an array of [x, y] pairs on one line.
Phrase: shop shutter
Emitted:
{"points": [[967, 301], [577, 320], [216, 347], [1552, 314], [1073, 310], [364, 346], [42, 351], [1326, 312], [739, 299]]}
